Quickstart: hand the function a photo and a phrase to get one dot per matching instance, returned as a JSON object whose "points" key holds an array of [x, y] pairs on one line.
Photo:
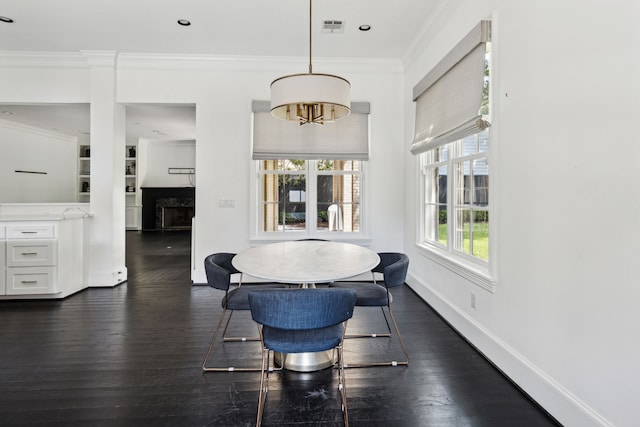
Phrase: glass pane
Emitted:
{"points": [[469, 145], [338, 165], [338, 202], [431, 185], [292, 202], [442, 153], [430, 227], [461, 237], [483, 141], [481, 182], [283, 165], [442, 225], [463, 182], [442, 185], [269, 190], [480, 235]]}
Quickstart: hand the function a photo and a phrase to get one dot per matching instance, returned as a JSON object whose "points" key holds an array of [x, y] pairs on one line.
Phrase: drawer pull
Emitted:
{"points": [[28, 282], [29, 232], [29, 253]]}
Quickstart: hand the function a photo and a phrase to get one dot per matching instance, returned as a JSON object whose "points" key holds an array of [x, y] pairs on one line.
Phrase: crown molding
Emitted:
{"points": [[251, 63], [19, 127], [43, 59], [123, 60]]}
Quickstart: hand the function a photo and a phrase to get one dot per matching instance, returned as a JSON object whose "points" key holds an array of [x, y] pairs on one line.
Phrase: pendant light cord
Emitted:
{"points": [[310, 66]]}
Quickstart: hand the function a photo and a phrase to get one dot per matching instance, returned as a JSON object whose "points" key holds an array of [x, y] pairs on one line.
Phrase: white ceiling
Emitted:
{"points": [[253, 28], [218, 27]]}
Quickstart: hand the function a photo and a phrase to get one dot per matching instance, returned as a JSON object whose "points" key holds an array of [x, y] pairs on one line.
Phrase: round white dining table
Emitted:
{"points": [[305, 263]]}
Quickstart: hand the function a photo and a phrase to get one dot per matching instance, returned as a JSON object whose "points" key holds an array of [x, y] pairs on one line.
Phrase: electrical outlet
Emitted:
{"points": [[472, 300]]}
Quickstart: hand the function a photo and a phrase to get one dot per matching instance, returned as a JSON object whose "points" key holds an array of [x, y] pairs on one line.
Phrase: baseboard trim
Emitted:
{"points": [[551, 396]]}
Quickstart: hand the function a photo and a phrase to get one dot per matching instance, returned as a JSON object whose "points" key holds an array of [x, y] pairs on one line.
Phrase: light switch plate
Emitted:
{"points": [[227, 203]]}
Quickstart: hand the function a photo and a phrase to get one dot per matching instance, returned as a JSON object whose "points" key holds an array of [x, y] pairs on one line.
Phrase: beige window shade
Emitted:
{"points": [[344, 139], [448, 99]]}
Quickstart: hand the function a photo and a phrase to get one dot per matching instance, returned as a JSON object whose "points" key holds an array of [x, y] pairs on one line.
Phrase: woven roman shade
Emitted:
{"points": [[449, 97], [344, 139]]}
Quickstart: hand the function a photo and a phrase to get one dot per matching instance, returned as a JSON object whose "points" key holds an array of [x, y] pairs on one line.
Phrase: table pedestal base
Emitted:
{"points": [[305, 362]]}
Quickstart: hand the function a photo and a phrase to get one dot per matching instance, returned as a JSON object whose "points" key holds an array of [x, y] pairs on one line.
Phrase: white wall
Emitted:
{"points": [[28, 148], [563, 320], [156, 157], [223, 91]]}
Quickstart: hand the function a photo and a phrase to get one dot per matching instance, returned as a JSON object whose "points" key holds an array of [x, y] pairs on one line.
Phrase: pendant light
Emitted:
{"points": [[310, 97]]}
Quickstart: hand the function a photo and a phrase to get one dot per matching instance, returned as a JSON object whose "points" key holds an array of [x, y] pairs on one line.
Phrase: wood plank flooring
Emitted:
{"points": [[131, 356]]}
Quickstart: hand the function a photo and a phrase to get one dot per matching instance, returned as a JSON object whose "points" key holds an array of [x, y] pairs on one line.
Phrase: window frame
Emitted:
{"points": [[310, 231], [476, 270]]}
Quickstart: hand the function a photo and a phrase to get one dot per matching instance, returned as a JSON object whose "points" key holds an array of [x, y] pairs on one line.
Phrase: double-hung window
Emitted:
{"points": [[455, 216], [310, 196], [452, 144]]}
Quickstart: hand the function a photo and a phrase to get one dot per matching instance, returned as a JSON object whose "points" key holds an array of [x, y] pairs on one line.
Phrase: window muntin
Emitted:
{"points": [[456, 218], [312, 196]]}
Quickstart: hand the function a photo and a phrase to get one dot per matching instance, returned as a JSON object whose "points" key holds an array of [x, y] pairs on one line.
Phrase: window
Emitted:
{"points": [[452, 144], [456, 216], [310, 196]]}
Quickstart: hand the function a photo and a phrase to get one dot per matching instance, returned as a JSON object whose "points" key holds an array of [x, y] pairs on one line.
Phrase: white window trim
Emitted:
{"points": [[476, 271], [259, 237]]}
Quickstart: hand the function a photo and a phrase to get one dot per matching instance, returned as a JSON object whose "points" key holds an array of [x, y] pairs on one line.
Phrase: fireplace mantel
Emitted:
{"points": [[166, 196]]}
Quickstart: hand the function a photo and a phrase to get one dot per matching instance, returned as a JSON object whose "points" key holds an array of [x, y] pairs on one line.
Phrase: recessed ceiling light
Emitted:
{"points": [[6, 19], [364, 27], [184, 22]]}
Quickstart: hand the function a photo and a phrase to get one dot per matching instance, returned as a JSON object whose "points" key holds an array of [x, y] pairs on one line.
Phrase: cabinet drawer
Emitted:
{"points": [[31, 280], [31, 253], [30, 231]]}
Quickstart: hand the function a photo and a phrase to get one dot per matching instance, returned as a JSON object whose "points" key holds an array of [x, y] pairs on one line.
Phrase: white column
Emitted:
{"points": [[108, 138]]}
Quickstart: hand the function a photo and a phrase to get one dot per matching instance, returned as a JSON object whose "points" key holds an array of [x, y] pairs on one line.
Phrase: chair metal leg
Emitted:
{"points": [[264, 385], [342, 386], [225, 338], [392, 362], [374, 335], [206, 368]]}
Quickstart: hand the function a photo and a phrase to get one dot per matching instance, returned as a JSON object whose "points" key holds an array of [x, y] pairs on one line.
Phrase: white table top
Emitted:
{"points": [[306, 261]]}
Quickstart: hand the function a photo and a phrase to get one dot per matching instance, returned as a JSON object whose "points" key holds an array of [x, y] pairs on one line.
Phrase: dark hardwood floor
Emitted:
{"points": [[131, 356]]}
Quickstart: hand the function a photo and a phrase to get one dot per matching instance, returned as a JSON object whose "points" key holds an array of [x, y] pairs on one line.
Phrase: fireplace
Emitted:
{"points": [[167, 208], [176, 217]]}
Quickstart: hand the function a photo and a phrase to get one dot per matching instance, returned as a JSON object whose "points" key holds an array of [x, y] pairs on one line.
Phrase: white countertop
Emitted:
{"points": [[42, 217]]}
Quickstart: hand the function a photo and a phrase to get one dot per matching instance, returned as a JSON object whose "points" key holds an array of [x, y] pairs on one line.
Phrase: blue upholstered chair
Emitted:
{"points": [[393, 266], [301, 321], [219, 269]]}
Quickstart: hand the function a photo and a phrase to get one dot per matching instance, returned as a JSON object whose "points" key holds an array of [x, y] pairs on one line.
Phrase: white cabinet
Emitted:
{"points": [[42, 259], [32, 280], [30, 232], [30, 263]]}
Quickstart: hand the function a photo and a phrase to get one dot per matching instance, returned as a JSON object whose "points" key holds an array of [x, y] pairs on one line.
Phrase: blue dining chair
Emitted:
{"points": [[218, 268], [301, 321], [393, 266]]}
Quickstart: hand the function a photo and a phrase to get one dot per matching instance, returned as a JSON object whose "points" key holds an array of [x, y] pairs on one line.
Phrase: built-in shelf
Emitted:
{"points": [[84, 172], [133, 210]]}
